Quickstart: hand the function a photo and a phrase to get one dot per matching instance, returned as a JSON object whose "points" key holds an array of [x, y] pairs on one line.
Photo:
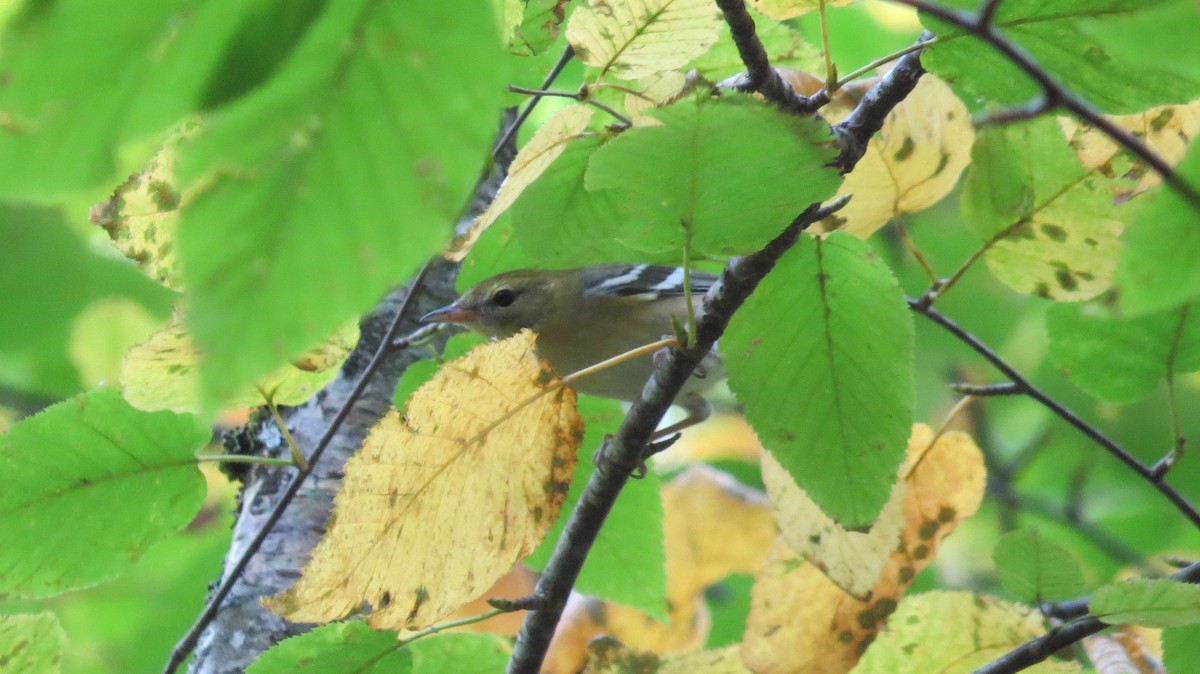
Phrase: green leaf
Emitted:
{"points": [[31, 643], [1161, 265], [1152, 602], [954, 633], [334, 180], [460, 653], [733, 170], [1181, 649], [627, 564], [1048, 224], [558, 223], [38, 245], [72, 115], [1086, 44], [1121, 360], [1034, 569], [113, 478], [335, 649], [829, 390]]}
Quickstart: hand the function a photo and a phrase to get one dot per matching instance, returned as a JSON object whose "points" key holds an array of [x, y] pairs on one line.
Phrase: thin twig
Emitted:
{"points": [[1018, 56], [511, 130], [188, 642], [576, 96], [1017, 113], [1006, 388], [1093, 433], [882, 61]]}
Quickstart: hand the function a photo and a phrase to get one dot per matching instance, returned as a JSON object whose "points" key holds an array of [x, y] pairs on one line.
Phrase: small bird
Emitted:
{"points": [[586, 315]]}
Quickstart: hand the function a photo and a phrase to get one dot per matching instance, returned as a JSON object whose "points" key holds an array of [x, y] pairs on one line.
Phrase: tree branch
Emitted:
{"points": [[1036, 650], [762, 77], [1093, 433]]}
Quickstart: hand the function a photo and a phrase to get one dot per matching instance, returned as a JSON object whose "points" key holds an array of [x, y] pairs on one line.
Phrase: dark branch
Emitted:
{"points": [[1036, 650], [856, 131], [1093, 433], [762, 77], [1056, 92], [988, 390]]}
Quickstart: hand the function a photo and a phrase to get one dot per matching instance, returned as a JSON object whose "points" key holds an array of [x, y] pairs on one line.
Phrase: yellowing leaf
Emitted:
{"points": [[945, 487], [800, 620], [142, 215], [651, 92], [443, 500], [782, 10], [633, 39], [546, 145], [914, 160], [852, 559], [1166, 130], [1048, 224], [161, 372], [954, 633]]}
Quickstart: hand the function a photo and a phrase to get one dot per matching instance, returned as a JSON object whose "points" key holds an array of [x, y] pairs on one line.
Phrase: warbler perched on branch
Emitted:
{"points": [[587, 315]]}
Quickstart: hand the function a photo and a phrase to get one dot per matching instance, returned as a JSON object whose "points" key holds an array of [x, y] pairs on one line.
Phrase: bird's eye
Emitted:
{"points": [[504, 297]]}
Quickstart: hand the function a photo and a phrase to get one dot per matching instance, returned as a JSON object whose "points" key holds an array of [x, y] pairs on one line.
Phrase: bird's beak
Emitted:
{"points": [[451, 313]]}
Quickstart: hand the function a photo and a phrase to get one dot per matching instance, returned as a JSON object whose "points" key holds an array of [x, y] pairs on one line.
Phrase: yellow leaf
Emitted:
{"points": [[142, 214], [955, 633], [443, 500], [633, 39], [547, 144], [782, 10], [1166, 130], [652, 92], [161, 372], [914, 160], [800, 620]]}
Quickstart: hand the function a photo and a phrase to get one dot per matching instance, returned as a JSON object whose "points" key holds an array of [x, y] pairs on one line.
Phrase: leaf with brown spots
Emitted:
{"points": [[1166, 130], [914, 160], [443, 500], [954, 633], [1048, 223], [800, 621]]}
